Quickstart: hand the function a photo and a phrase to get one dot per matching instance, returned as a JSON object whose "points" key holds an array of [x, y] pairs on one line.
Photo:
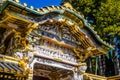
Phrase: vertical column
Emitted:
{"points": [[89, 65], [117, 55], [116, 65], [30, 76], [77, 76], [100, 65], [103, 65], [31, 67], [78, 72]]}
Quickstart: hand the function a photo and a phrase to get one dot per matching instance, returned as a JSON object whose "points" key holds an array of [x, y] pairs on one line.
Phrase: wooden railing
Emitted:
{"points": [[87, 76], [114, 77]]}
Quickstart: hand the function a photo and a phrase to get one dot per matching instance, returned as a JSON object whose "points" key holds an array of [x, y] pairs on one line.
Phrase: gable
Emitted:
{"points": [[65, 33], [54, 24]]}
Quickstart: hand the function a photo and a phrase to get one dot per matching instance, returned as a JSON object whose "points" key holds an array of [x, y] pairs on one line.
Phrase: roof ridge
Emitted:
{"points": [[59, 9]]}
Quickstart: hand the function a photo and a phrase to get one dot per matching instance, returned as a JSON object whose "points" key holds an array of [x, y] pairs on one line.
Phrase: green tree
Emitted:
{"points": [[104, 13]]}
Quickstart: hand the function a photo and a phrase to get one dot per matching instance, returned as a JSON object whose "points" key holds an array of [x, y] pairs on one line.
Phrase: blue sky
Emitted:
{"points": [[41, 3]]}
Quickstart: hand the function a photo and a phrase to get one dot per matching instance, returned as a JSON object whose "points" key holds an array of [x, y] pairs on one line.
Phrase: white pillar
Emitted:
{"points": [[78, 73], [31, 66]]}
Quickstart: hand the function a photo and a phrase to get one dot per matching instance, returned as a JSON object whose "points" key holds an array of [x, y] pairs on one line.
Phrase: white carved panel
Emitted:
{"points": [[55, 54]]}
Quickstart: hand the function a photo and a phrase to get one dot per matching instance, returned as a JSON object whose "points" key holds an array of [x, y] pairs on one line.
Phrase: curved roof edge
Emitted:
{"points": [[57, 9]]}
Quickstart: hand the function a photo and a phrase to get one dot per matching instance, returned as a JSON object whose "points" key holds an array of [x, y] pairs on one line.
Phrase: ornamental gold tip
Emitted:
{"points": [[17, 1], [31, 7], [24, 4], [38, 10]]}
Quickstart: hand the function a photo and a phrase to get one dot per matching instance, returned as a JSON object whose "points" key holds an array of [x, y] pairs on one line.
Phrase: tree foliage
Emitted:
{"points": [[105, 14]]}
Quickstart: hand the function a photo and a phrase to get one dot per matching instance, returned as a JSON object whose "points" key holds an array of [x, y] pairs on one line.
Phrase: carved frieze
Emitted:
{"points": [[55, 54]]}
